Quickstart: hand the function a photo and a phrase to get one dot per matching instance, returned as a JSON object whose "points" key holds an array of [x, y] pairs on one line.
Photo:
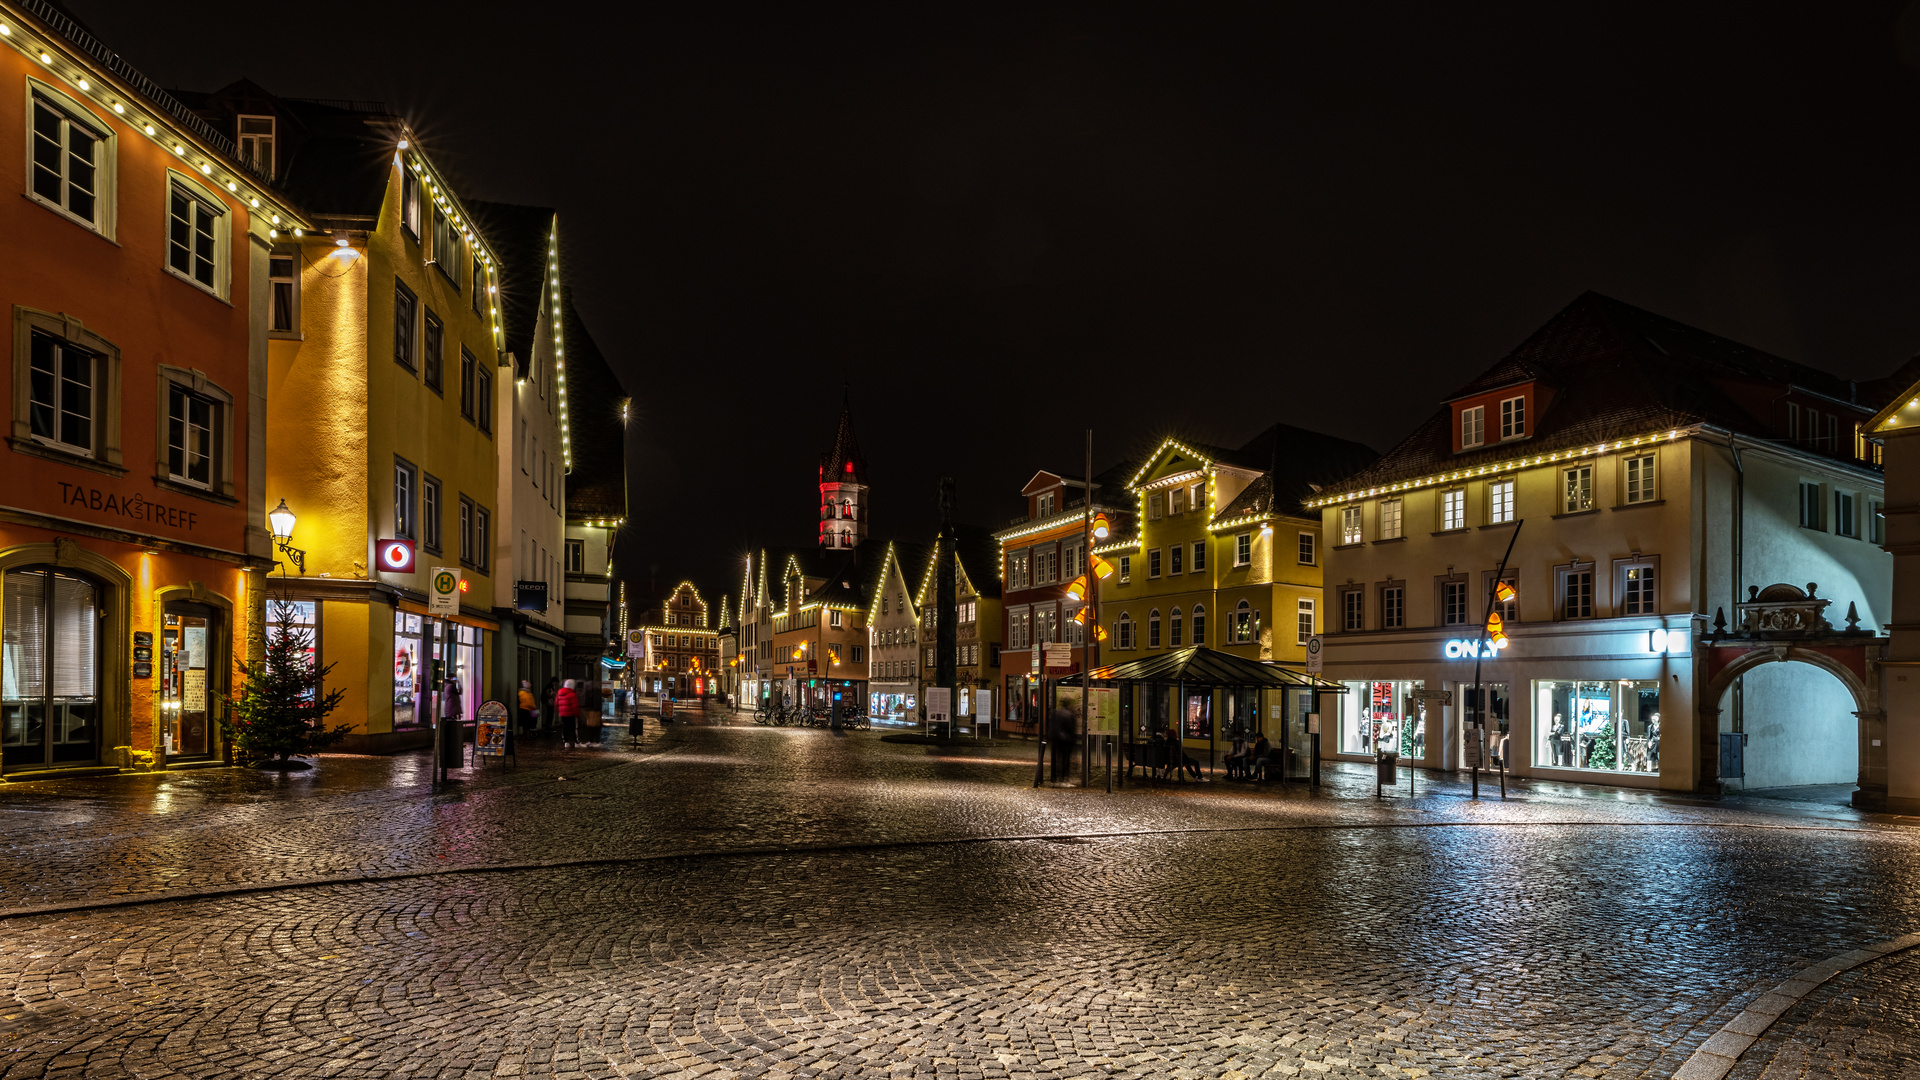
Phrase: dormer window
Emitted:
{"points": [[1513, 418], [1473, 426], [256, 142]]}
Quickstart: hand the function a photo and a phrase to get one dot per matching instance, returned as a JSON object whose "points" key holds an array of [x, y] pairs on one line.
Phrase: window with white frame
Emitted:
{"points": [[1243, 622], [1350, 524], [482, 538], [1642, 482], [406, 478], [406, 309], [283, 296], [1453, 603], [430, 513], [1156, 506], [1393, 607], [1307, 543], [1844, 521], [1199, 555], [1513, 418], [1453, 509], [1353, 610], [1637, 590], [1123, 632], [66, 394], [1500, 502], [1810, 508], [190, 429], [1153, 629], [1046, 565], [448, 252], [72, 161], [1173, 629], [1178, 555], [196, 236], [1076, 560], [1243, 549], [1177, 501], [833, 619], [1199, 624], [1043, 505], [1576, 592], [1509, 611], [1126, 569], [1018, 571], [1473, 426], [1576, 489], [1303, 614], [466, 530], [1390, 510], [1153, 563]]}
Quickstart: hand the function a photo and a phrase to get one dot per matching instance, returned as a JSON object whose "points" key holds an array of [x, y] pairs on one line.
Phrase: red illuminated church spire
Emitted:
{"points": [[843, 488]]}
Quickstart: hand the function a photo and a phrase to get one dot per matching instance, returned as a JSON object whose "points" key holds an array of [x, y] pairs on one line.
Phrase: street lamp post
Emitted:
{"points": [[280, 522], [1496, 637]]}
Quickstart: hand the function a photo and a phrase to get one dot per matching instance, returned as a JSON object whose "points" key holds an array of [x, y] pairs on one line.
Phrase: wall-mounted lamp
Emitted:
{"points": [[280, 522]]}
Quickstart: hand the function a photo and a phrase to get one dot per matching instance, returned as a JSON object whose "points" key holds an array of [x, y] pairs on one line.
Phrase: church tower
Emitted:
{"points": [[843, 489]]}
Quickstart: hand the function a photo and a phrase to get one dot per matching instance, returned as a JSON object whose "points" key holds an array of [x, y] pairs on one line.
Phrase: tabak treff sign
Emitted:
{"points": [[135, 509]]}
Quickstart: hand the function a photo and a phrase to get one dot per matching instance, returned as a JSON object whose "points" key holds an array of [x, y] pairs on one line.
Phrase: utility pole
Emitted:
{"points": [[1493, 640], [947, 620]]}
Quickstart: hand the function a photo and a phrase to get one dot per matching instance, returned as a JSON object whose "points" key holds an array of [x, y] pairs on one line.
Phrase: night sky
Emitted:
{"points": [[1001, 226]]}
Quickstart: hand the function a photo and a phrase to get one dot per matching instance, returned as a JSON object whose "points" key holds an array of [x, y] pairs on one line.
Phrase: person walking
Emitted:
{"points": [[547, 695], [1060, 730], [529, 707], [568, 704]]}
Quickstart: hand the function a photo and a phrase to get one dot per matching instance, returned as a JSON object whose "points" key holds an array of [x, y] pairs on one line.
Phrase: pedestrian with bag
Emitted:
{"points": [[568, 704]]}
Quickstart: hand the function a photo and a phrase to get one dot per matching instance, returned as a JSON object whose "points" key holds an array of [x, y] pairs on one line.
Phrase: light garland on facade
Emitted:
{"points": [[1147, 466], [696, 598], [1521, 462], [155, 126], [880, 584], [559, 346], [1112, 546]]}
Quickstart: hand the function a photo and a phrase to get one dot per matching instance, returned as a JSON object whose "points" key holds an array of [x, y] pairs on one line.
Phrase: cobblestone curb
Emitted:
{"points": [[1718, 1055], [217, 891]]}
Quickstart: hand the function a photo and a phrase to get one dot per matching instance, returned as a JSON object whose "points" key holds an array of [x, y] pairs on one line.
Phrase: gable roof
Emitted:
{"points": [[1614, 371], [520, 236]]}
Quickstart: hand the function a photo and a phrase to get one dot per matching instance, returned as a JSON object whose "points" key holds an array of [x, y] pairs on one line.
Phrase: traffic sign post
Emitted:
{"points": [[443, 592], [1315, 661]]}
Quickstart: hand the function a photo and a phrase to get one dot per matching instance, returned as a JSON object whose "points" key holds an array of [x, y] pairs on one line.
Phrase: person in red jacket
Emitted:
{"points": [[567, 703]]}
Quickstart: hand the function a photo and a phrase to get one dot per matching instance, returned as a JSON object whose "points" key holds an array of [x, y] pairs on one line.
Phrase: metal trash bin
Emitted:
{"points": [[453, 744], [1388, 765]]}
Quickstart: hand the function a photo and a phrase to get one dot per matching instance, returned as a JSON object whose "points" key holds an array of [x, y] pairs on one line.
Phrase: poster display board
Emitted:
{"points": [[490, 734], [939, 705], [1103, 708]]}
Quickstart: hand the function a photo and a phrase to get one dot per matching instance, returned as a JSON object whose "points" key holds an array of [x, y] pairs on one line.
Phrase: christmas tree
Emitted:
{"points": [[281, 712], [1601, 755]]}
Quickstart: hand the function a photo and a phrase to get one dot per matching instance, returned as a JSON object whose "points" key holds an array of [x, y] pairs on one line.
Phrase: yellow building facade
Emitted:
{"points": [[381, 431]]}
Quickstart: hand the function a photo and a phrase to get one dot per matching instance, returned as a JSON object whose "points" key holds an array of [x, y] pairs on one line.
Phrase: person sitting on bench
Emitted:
{"points": [[1239, 759], [1264, 757]]}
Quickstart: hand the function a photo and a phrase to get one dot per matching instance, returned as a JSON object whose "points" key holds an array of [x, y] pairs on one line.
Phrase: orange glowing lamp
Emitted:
{"points": [[1504, 592], [1080, 615], [1077, 591], [1099, 633], [1102, 567], [1100, 527], [1496, 631]]}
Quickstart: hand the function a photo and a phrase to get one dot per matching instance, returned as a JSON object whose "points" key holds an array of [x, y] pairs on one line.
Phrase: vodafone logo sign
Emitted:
{"points": [[394, 556]]}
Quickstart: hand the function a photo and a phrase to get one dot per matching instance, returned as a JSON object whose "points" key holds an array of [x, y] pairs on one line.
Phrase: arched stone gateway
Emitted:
{"points": [[1783, 624]]}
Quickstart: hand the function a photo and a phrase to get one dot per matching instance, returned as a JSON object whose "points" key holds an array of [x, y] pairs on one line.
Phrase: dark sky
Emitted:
{"points": [[1001, 226]]}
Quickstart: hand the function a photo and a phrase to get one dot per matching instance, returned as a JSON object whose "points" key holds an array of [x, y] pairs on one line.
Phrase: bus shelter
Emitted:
{"points": [[1196, 697]]}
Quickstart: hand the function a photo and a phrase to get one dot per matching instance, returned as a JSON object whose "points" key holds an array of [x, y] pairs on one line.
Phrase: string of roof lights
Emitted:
{"points": [[148, 121], [1522, 461], [559, 346]]}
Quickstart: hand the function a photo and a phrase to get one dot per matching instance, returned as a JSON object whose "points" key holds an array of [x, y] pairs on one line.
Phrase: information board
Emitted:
{"points": [[1103, 708], [939, 705]]}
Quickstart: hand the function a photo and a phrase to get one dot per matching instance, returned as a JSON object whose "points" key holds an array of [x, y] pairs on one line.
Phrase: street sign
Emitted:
{"points": [[394, 556], [636, 642], [443, 591], [490, 733], [1059, 654], [1036, 659], [1315, 662]]}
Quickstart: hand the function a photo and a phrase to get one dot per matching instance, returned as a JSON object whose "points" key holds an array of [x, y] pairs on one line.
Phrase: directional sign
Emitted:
{"points": [[443, 591], [1059, 654], [1315, 662]]}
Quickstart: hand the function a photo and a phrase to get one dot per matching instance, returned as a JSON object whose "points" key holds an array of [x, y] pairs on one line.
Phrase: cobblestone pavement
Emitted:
{"points": [[745, 901]]}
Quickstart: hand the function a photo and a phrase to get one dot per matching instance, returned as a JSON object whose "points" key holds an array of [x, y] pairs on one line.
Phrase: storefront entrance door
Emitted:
{"points": [[190, 667], [49, 670]]}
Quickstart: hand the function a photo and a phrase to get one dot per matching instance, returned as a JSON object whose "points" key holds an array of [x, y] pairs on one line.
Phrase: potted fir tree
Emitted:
{"points": [[280, 713]]}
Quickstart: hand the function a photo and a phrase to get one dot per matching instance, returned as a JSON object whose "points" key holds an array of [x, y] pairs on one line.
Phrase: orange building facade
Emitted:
{"points": [[133, 552]]}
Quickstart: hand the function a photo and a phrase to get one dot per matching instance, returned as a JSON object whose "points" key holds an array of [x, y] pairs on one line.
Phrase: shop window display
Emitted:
{"points": [[1384, 715], [1605, 726]]}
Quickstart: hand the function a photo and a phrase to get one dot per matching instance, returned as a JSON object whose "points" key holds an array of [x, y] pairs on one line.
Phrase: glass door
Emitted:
{"points": [[189, 678], [49, 670]]}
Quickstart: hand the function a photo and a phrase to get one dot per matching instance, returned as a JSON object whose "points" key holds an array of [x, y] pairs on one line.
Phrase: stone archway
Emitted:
{"points": [[1781, 624]]}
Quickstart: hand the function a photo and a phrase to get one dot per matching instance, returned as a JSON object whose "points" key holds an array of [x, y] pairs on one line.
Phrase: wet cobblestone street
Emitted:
{"points": [[745, 901]]}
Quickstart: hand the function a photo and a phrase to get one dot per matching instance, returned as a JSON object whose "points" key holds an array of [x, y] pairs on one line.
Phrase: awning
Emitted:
{"points": [[1201, 666]]}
